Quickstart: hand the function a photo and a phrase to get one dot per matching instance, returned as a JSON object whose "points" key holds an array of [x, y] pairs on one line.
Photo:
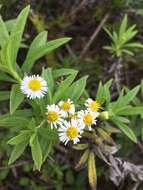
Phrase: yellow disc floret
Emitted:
{"points": [[72, 132], [94, 106], [88, 119], [52, 116], [66, 106], [34, 84]]}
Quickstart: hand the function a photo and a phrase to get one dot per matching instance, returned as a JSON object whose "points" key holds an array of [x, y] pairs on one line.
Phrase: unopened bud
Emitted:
{"points": [[104, 115]]}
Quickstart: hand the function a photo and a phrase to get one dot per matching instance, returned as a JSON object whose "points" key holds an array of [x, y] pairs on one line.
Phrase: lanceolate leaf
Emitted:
{"points": [[23, 136], [48, 76], [3, 33], [5, 77], [63, 87], [17, 31], [129, 110], [129, 96], [17, 151], [42, 50], [124, 100], [100, 93], [125, 129], [123, 26], [38, 42], [76, 89], [63, 72], [48, 134], [16, 98], [36, 151], [12, 121]]}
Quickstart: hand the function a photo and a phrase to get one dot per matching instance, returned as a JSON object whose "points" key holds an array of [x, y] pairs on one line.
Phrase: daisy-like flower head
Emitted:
{"points": [[34, 86], [70, 131], [92, 105], [87, 118], [67, 107], [54, 115]]}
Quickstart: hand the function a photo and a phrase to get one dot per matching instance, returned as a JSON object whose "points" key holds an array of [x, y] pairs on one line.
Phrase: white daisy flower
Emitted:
{"points": [[70, 131], [34, 86], [87, 118], [67, 107], [92, 105], [54, 115]]}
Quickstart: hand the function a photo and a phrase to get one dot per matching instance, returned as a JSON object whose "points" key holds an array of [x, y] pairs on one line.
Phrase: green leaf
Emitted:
{"points": [[4, 95], [108, 32], [3, 33], [123, 26], [16, 98], [11, 121], [76, 89], [5, 77], [23, 136], [42, 50], [16, 35], [62, 72], [130, 96], [134, 45], [103, 92], [64, 85], [17, 151], [46, 148], [38, 42], [126, 99], [125, 129], [48, 76], [123, 119], [9, 24], [32, 124], [48, 134], [107, 86], [36, 151], [100, 93], [130, 110]]}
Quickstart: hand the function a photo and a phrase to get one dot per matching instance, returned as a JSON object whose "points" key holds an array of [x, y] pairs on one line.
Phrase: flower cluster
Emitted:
{"points": [[71, 124], [63, 116]]}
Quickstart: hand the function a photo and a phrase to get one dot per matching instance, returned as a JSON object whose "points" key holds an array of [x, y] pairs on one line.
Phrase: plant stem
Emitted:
{"points": [[41, 124]]}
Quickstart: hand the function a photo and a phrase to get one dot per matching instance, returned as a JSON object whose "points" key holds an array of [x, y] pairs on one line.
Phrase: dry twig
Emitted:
{"points": [[94, 35]]}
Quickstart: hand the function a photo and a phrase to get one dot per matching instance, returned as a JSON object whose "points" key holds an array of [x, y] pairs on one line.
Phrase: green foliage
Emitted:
{"points": [[121, 39], [30, 128], [16, 97]]}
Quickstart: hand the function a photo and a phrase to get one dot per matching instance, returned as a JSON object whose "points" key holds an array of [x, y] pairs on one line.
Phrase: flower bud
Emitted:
{"points": [[104, 115]]}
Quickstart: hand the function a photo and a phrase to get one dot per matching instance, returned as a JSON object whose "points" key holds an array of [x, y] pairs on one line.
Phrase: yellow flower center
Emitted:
{"points": [[94, 106], [72, 132], [34, 84], [88, 119], [66, 106], [52, 116]]}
